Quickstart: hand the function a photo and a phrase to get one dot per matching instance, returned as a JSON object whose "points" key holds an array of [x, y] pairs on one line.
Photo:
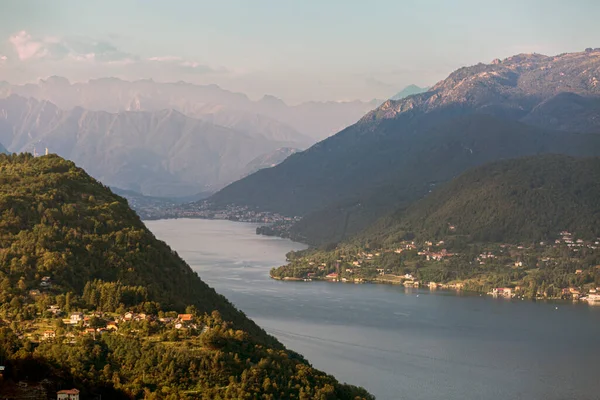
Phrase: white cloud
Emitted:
{"points": [[89, 57], [124, 61], [193, 66], [26, 47], [165, 59], [186, 65], [78, 53]]}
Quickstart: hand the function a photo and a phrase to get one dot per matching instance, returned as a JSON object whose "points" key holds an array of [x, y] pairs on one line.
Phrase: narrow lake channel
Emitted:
{"points": [[399, 343]]}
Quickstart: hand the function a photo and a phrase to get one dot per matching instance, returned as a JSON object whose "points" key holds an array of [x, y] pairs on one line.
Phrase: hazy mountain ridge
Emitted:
{"points": [[409, 91], [316, 120], [162, 153], [269, 160], [393, 154]]}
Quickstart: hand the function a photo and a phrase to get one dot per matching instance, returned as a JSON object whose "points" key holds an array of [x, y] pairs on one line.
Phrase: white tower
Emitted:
{"points": [[46, 151]]}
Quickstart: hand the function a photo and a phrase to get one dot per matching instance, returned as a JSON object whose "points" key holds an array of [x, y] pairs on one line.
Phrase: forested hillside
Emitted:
{"points": [[521, 200], [69, 246], [530, 224]]}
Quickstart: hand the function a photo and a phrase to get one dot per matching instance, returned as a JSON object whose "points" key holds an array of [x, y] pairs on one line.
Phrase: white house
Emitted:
{"points": [[71, 394], [49, 335], [76, 318]]}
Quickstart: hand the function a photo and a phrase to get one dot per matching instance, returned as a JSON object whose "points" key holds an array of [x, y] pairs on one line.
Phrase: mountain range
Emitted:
{"points": [[161, 153], [523, 105], [313, 120]]}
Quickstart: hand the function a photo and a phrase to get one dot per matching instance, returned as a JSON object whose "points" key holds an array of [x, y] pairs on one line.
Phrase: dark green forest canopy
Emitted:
{"points": [[513, 201]]}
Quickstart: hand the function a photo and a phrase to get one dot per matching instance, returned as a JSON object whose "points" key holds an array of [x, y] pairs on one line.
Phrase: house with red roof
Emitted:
{"points": [[71, 394]]}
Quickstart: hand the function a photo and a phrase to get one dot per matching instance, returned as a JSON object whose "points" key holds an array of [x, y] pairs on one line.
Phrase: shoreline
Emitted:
{"points": [[454, 288]]}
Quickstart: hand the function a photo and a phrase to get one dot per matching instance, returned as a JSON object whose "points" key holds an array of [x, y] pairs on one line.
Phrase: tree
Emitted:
{"points": [[96, 322]]}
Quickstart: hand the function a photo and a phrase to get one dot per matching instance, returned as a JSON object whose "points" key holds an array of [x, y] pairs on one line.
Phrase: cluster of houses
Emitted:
{"points": [[592, 296], [503, 292], [230, 212], [182, 321], [481, 258], [405, 247], [435, 255], [363, 259], [567, 238]]}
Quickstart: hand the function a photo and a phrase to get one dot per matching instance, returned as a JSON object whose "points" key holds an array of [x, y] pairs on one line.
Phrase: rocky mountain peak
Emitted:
{"points": [[513, 86]]}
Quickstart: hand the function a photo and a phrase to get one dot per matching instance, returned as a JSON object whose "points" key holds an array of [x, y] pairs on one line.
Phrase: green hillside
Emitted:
{"points": [[514, 201], [55, 220], [68, 242], [530, 224]]}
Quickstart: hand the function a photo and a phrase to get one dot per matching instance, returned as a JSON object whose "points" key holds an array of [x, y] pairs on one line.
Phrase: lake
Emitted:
{"points": [[395, 342]]}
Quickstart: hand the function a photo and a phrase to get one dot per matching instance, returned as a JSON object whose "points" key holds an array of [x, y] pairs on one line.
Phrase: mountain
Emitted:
{"points": [[3, 149], [255, 124], [89, 233], [313, 120], [408, 91], [510, 201], [70, 243], [162, 153], [270, 159], [398, 152]]}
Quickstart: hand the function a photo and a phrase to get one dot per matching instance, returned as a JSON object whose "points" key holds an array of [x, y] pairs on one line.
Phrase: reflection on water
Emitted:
{"points": [[398, 343]]}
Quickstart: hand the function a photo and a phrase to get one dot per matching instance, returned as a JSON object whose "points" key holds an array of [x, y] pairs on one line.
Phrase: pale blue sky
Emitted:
{"points": [[295, 49]]}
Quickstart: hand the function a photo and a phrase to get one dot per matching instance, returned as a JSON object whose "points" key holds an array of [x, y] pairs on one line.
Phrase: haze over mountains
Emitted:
{"points": [[162, 153], [163, 139], [523, 105], [314, 120], [269, 160]]}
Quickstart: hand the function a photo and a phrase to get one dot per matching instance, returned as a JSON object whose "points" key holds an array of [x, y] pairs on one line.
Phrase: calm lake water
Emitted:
{"points": [[398, 343]]}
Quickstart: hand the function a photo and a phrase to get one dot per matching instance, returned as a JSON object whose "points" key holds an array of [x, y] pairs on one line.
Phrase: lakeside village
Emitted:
{"points": [[276, 224], [567, 268]]}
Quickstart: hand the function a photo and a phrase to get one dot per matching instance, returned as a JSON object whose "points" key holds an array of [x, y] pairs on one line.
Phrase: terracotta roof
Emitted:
{"points": [[69, 391], [185, 317]]}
